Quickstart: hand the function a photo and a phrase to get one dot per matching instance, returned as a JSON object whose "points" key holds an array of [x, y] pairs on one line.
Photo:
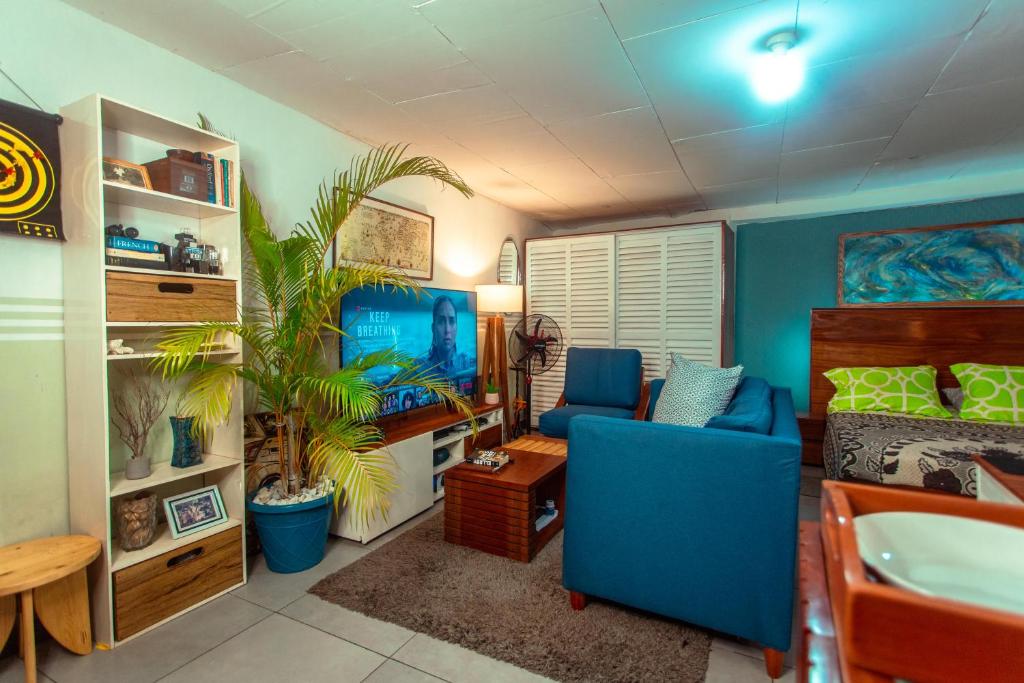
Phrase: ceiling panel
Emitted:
{"points": [[747, 193], [1005, 155], [732, 156], [622, 143], [697, 74], [467, 21], [284, 16], [472, 107], [841, 126], [191, 28], [367, 25], [835, 170], [570, 66], [415, 83], [633, 18], [571, 182], [959, 119], [993, 51], [888, 173], [668, 189], [511, 143], [840, 29], [902, 73]]}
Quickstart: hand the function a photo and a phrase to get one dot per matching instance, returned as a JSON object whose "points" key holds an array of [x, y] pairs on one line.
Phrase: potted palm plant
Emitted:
{"points": [[327, 439]]}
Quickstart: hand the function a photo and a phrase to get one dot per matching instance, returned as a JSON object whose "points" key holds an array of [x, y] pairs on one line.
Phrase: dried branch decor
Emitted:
{"points": [[138, 406]]}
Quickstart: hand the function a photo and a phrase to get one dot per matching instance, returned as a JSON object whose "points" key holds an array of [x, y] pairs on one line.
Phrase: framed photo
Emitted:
{"points": [[970, 264], [125, 172], [386, 234], [194, 511]]}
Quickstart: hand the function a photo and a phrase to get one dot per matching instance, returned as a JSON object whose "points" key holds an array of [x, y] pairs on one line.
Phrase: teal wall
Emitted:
{"points": [[786, 268]]}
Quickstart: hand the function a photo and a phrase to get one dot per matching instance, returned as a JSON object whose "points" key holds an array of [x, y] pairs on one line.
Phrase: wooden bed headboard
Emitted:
{"points": [[890, 336]]}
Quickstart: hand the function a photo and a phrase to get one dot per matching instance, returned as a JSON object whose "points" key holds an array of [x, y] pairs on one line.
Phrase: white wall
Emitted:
{"points": [[59, 55]]}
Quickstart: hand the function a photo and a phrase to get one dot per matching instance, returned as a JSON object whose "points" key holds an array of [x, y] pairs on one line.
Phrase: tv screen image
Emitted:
{"points": [[438, 330]]}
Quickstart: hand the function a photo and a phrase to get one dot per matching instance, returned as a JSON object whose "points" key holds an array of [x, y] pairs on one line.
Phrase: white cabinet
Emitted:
{"points": [[415, 473], [658, 290]]}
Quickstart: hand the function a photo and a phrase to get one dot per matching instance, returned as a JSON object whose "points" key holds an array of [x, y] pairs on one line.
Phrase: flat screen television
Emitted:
{"points": [[438, 330]]}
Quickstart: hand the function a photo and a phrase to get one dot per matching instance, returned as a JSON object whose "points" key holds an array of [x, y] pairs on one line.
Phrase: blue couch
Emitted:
{"points": [[697, 524], [606, 382]]}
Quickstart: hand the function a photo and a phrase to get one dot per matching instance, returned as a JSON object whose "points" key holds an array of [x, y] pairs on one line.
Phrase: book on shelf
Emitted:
{"points": [[218, 184], [225, 179], [126, 262], [138, 255], [208, 161], [133, 244]]}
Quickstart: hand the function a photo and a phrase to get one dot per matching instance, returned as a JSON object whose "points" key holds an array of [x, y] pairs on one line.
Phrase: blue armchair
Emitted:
{"points": [[697, 524], [606, 382]]}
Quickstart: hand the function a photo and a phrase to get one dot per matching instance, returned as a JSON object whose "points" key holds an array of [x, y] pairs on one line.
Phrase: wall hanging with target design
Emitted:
{"points": [[29, 173]]}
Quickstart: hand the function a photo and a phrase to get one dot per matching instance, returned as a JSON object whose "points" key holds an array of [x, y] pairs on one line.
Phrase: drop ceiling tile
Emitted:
{"points": [[1007, 154], [293, 15], [623, 143], [632, 18], [570, 182], [927, 168], [417, 83], [512, 143], [732, 156], [845, 125], [747, 193], [368, 25], [697, 75], [903, 73], [465, 22], [668, 189], [959, 119], [248, 8], [472, 107], [835, 170], [832, 30], [193, 29], [993, 51], [569, 66]]}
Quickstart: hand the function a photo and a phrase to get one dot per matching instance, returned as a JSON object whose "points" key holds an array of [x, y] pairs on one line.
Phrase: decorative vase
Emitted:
{"points": [[137, 468], [136, 520], [186, 446], [491, 399]]}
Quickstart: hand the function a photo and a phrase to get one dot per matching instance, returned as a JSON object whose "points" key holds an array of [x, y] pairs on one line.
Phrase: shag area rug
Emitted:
{"points": [[515, 612]]}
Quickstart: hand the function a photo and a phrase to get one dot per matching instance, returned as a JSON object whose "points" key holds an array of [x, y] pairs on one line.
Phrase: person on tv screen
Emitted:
{"points": [[407, 402], [443, 354]]}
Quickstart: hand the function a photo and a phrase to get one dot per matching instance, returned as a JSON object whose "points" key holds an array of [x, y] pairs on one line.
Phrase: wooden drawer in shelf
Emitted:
{"points": [[135, 297], [151, 591]]}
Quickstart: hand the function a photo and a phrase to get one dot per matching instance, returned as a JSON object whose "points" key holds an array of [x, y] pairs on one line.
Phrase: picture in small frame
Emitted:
{"points": [[194, 511], [125, 172]]}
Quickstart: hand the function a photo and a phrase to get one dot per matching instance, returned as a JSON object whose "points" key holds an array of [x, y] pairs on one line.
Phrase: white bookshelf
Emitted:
{"points": [[93, 128]]}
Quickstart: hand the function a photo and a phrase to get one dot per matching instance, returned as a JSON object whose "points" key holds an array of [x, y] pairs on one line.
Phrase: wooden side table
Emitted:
{"points": [[48, 574], [497, 512]]}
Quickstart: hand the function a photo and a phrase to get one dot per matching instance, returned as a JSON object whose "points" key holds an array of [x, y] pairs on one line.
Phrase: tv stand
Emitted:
{"points": [[411, 440]]}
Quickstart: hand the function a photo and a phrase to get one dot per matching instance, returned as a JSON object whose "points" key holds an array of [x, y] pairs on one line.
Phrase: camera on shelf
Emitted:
{"points": [[190, 256]]}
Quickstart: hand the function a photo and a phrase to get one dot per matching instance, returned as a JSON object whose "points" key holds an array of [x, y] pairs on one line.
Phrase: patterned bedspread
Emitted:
{"points": [[924, 452]]}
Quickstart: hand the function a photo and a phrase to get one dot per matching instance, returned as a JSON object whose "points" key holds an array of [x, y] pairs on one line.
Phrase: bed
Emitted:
{"points": [[910, 451]]}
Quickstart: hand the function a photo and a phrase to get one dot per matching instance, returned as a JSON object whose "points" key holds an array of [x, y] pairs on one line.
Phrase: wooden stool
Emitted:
{"points": [[49, 574]]}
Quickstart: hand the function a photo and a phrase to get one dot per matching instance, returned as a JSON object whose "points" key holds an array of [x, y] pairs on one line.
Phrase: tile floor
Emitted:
{"points": [[272, 630]]}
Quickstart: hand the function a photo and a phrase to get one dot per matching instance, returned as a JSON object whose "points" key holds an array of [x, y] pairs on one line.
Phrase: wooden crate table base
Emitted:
{"points": [[497, 512], [48, 575]]}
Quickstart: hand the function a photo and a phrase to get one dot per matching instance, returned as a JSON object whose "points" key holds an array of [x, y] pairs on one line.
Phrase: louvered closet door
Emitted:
{"points": [[669, 295], [571, 281]]}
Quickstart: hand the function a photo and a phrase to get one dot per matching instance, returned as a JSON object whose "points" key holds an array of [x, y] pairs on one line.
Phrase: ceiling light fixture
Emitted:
{"points": [[778, 74]]}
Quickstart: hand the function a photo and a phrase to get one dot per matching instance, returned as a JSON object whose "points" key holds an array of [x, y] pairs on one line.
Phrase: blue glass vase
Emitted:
{"points": [[186, 446]]}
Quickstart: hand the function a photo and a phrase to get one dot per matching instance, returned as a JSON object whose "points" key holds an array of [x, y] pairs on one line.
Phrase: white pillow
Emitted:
{"points": [[694, 393]]}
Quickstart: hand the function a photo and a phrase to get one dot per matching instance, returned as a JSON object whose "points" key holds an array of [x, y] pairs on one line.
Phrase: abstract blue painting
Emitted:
{"points": [[963, 264]]}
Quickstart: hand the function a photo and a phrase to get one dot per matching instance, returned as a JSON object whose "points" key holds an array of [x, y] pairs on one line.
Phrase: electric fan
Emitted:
{"points": [[534, 345]]}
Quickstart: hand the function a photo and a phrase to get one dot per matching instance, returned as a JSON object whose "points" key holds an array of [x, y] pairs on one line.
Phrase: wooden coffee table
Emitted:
{"points": [[497, 512]]}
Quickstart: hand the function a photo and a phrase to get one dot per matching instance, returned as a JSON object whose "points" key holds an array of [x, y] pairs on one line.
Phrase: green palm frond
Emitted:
{"points": [[209, 393], [349, 453], [347, 391]]}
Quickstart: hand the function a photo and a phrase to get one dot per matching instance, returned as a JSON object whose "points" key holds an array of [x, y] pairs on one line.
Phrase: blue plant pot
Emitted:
{"points": [[187, 451], [293, 536]]}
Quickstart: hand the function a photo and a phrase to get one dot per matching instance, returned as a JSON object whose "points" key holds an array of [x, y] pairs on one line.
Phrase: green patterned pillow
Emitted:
{"points": [[992, 393], [886, 390]]}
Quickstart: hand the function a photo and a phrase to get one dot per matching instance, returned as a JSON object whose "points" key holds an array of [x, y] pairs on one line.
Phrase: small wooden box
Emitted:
{"points": [[182, 178], [151, 591], [138, 297], [884, 631]]}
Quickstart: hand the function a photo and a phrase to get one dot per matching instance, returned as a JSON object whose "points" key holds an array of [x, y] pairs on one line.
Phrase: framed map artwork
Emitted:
{"points": [[383, 233]]}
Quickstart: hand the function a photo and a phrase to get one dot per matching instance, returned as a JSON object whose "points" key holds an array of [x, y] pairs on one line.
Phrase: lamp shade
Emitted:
{"points": [[499, 298]]}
